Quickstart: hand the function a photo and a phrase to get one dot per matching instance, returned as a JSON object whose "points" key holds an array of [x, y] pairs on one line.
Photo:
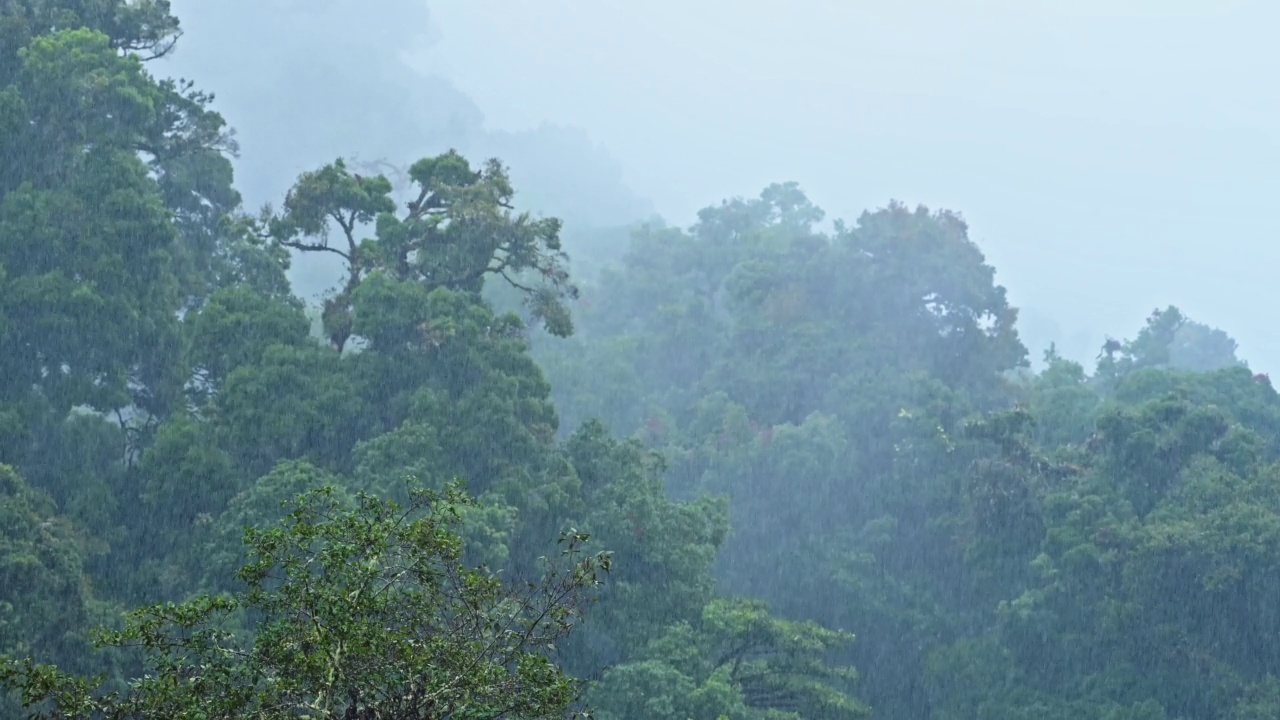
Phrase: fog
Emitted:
{"points": [[774, 406], [1110, 157]]}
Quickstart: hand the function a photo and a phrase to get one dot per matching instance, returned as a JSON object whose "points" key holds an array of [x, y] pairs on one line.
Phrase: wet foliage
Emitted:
{"points": [[795, 472]]}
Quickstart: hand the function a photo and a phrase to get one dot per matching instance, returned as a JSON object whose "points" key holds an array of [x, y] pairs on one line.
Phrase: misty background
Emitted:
{"points": [[1111, 157]]}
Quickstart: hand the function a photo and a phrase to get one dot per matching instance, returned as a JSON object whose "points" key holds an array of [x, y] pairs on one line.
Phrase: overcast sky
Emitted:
{"points": [[1111, 156]]}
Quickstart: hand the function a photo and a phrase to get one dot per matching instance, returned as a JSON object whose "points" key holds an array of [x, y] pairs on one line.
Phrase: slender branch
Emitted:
{"points": [[348, 228], [158, 48], [315, 247], [515, 284]]}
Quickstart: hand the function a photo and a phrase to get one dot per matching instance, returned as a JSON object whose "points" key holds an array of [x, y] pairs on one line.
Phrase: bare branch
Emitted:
{"points": [[314, 247]]}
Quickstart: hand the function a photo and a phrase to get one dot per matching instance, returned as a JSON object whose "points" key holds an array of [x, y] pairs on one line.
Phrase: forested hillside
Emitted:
{"points": [[750, 469]]}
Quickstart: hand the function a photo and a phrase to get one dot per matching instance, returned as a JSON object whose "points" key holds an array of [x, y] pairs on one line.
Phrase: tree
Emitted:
{"points": [[1168, 340], [459, 228], [734, 660], [44, 599], [112, 200], [1200, 348], [84, 236], [233, 329], [144, 27], [356, 612]]}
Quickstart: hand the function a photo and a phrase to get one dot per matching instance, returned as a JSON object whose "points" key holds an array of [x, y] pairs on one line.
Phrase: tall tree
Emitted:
{"points": [[113, 199], [458, 229]]}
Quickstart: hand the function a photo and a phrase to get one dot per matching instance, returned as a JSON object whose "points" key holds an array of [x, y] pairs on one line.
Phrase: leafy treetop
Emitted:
{"points": [[358, 612], [459, 228]]}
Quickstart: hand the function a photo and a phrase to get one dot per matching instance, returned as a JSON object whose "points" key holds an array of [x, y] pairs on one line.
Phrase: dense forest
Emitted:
{"points": [[760, 468]]}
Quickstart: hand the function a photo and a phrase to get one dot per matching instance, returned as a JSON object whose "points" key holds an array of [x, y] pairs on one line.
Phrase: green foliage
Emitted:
{"points": [[112, 206], [838, 391], [358, 611], [457, 230], [838, 425], [295, 403], [1062, 398], [46, 602], [143, 26], [665, 549], [44, 595], [234, 328], [1169, 340], [185, 478], [218, 550], [89, 278], [736, 661]]}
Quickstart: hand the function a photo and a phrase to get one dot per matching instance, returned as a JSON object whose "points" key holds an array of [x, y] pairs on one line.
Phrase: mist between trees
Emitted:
{"points": [[759, 468]]}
